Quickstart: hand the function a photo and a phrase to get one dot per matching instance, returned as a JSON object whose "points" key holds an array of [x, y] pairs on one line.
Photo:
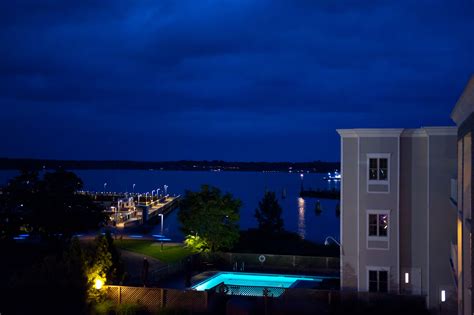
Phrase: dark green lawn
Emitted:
{"points": [[169, 254]]}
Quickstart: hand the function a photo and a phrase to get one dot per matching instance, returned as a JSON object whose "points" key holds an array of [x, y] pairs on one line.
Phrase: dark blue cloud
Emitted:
{"points": [[235, 80]]}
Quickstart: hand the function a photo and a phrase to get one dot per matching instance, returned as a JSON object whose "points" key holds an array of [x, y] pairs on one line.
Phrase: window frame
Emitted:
{"points": [[377, 237], [378, 157], [377, 269]]}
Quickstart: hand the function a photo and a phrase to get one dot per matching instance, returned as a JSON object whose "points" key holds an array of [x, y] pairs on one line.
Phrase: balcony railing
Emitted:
{"points": [[454, 191]]}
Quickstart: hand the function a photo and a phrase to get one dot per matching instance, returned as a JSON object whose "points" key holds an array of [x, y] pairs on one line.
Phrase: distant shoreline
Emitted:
{"points": [[184, 165]]}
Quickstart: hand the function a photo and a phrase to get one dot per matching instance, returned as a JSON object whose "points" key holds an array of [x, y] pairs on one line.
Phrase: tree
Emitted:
{"points": [[50, 206], [268, 214], [16, 202], [97, 266], [211, 217]]}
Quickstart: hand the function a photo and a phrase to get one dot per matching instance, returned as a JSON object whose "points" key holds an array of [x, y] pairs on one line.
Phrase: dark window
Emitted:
{"points": [[378, 281], [373, 169], [372, 225], [383, 281], [372, 281], [378, 169]]}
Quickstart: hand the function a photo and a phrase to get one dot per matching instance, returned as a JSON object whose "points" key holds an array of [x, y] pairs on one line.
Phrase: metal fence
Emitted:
{"points": [[282, 263]]}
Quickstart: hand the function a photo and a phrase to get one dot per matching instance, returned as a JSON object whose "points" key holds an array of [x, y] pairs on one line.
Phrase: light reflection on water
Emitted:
{"points": [[301, 218]]}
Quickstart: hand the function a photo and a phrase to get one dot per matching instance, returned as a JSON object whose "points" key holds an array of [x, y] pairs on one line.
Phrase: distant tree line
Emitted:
{"points": [[38, 164]]}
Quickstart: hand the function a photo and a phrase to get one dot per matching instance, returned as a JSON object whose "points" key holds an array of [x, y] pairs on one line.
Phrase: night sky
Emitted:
{"points": [[234, 80]]}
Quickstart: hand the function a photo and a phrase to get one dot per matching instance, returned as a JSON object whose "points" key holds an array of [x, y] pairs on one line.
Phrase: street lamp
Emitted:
{"points": [[133, 188], [118, 209], [157, 191], [326, 241], [146, 197], [105, 185], [139, 195], [166, 189]]}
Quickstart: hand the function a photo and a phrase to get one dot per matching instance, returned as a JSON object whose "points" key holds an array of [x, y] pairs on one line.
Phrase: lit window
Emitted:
{"points": [[443, 295], [378, 225], [407, 277], [378, 169]]}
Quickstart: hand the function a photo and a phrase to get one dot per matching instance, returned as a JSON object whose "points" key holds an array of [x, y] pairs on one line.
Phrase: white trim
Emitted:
{"points": [[358, 214], [398, 216], [413, 133], [377, 268], [346, 133], [341, 221], [370, 132], [441, 131], [428, 223], [369, 238], [408, 132]]}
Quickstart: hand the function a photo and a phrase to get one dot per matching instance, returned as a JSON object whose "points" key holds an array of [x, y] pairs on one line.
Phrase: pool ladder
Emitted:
{"points": [[235, 267]]}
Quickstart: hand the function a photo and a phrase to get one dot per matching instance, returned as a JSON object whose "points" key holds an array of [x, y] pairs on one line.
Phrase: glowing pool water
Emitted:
{"points": [[239, 283]]}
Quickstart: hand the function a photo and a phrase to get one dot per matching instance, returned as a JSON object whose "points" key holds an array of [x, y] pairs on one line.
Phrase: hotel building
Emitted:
{"points": [[396, 214]]}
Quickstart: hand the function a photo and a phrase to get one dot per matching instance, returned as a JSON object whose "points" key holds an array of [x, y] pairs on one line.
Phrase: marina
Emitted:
{"points": [[132, 209]]}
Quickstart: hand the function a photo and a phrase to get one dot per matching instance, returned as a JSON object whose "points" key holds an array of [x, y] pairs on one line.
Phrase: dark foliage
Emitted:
{"points": [[282, 243], [48, 207], [268, 214], [212, 216]]}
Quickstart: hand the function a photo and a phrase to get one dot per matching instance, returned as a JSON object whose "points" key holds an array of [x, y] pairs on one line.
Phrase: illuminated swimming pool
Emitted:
{"points": [[239, 283]]}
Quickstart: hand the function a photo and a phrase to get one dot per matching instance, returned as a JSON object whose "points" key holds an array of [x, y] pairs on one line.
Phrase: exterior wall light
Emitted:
{"points": [[98, 283]]}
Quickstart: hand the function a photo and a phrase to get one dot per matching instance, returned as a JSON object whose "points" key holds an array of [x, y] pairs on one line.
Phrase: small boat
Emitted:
{"points": [[333, 176]]}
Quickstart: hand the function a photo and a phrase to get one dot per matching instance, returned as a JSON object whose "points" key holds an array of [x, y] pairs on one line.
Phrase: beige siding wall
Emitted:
{"points": [[349, 231], [413, 214], [442, 167], [378, 201]]}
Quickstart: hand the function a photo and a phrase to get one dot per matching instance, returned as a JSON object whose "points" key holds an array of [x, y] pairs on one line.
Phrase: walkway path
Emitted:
{"points": [[133, 264]]}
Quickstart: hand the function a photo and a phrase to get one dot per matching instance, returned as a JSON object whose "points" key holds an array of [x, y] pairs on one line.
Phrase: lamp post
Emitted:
{"points": [[133, 188], [105, 185], [118, 209], [166, 189], [157, 191], [161, 215], [146, 198], [152, 195], [139, 195], [326, 241], [302, 178]]}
